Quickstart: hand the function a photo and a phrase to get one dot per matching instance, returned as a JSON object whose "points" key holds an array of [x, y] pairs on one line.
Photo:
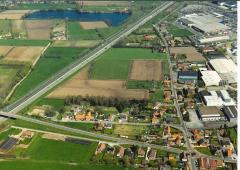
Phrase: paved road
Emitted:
{"points": [[68, 71]]}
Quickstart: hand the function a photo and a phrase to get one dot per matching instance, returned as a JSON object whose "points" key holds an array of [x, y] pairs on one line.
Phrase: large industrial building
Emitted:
{"points": [[226, 69], [210, 113], [204, 23], [210, 78]]}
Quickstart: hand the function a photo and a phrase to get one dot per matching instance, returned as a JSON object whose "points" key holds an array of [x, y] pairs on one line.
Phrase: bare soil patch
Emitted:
{"points": [[4, 50], [191, 53], [53, 137], [26, 54], [146, 70], [93, 25], [39, 29], [13, 14]]}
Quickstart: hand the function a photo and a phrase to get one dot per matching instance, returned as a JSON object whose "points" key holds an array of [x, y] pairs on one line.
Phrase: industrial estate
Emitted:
{"points": [[98, 85]]}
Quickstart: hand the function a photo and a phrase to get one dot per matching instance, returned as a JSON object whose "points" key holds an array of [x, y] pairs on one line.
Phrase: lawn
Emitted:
{"points": [[56, 103], [6, 133], [18, 42], [77, 125], [75, 32], [157, 95], [116, 62], [5, 27], [204, 150], [179, 32], [54, 60]]}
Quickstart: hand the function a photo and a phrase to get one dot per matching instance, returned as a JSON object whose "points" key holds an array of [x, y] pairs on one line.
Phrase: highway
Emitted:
{"points": [[92, 55]]}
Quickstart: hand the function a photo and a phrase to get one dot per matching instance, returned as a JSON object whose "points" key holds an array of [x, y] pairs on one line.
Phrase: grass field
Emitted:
{"points": [[179, 32], [233, 136], [76, 32], [134, 84], [116, 62], [57, 103], [17, 42], [204, 150], [53, 60], [76, 125], [79, 43], [11, 131], [47, 6], [5, 27]]}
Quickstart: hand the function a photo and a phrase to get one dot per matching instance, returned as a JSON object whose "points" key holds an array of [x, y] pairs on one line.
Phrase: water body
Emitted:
{"points": [[112, 18]]}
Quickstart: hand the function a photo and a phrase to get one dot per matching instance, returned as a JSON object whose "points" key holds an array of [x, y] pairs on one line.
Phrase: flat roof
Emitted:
{"points": [[222, 65], [230, 111], [206, 22], [210, 77], [209, 110], [188, 73]]}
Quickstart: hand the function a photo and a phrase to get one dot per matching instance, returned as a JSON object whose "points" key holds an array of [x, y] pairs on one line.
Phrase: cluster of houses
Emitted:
{"points": [[174, 138]]}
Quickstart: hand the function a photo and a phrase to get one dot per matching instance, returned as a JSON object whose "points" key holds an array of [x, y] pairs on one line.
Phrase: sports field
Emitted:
{"points": [[53, 60], [116, 62]]}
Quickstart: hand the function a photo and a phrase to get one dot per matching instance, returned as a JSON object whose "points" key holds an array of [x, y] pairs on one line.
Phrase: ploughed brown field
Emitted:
{"points": [[104, 3], [13, 14], [25, 54], [39, 29], [191, 53], [4, 50], [80, 85], [93, 25], [146, 70]]}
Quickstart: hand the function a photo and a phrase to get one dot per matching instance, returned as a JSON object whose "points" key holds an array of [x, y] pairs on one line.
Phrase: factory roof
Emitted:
{"points": [[211, 78], [222, 65]]}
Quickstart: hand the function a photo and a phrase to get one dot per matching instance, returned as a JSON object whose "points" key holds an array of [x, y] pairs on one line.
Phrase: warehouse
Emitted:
{"points": [[231, 113], [204, 23], [187, 77], [210, 78], [210, 113], [229, 73]]}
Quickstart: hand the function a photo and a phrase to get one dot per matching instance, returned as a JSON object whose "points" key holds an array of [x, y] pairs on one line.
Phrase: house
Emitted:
{"points": [[167, 95], [101, 147], [155, 120], [141, 152], [27, 134], [100, 126], [80, 117], [121, 152], [152, 154]]}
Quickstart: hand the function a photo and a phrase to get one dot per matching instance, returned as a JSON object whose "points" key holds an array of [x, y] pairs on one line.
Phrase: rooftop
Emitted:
{"points": [[210, 110]]}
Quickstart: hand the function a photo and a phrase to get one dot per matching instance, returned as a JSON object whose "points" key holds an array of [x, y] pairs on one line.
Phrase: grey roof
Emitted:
{"points": [[188, 73], [230, 111]]}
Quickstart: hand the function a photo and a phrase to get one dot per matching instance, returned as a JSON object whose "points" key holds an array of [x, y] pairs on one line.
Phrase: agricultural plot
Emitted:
{"points": [[116, 62], [4, 50], [5, 28], [104, 3], [19, 42], [191, 53], [39, 29], [13, 14], [7, 76], [24, 54], [53, 60], [179, 32], [97, 88], [146, 70], [75, 32], [78, 43], [18, 29], [93, 25]]}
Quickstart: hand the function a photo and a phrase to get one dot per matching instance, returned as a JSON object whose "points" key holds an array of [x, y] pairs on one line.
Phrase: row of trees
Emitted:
{"points": [[119, 103]]}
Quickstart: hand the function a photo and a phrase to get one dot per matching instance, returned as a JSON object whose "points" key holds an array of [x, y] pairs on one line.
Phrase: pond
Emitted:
{"points": [[113, 19]]}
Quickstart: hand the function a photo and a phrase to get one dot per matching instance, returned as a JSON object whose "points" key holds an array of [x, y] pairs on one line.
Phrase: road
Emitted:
{"points": [[93, 134], [70, 70]]}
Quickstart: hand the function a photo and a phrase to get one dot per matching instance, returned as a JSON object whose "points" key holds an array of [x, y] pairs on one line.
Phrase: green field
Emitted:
{"points": [[233, 136], [116, 62], [6, 133], [75, 32], [18, 42], [56, 103], [44, 6], [134, 84], [54, 59], [179, 32], [77, 125], [78, 43], [5, 27]]}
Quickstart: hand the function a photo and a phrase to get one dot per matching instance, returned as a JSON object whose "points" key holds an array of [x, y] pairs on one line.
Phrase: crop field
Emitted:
{"points": [[7, 75], [116, 62], [13, 14], [146, 70], [76, 32], [42, 6], [105, 3], [191, 53], [4, 50], [53, 60], [5, 27], [93, 25], [18, 42], [78, 43], [18, 28], [179, 32], [39, 29], [25, 54]]}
